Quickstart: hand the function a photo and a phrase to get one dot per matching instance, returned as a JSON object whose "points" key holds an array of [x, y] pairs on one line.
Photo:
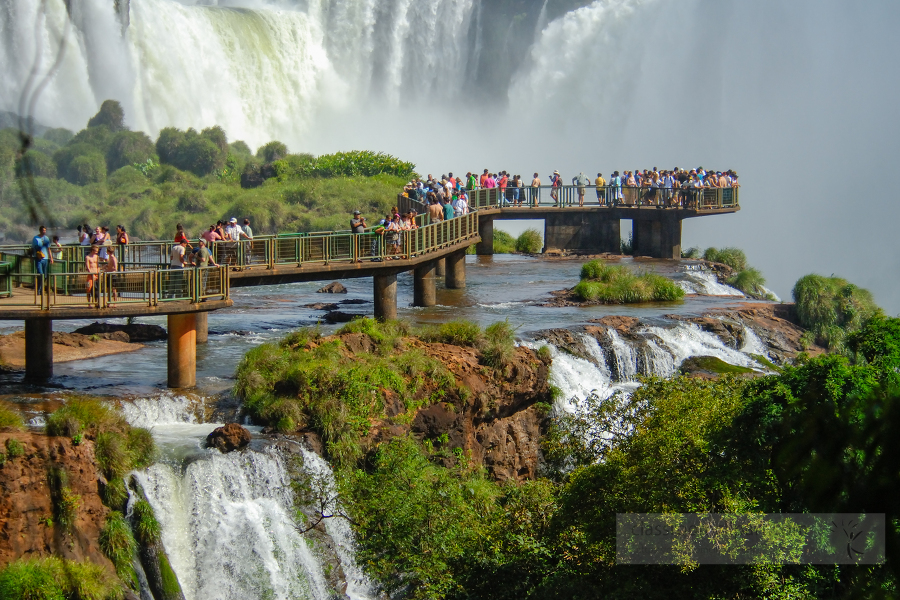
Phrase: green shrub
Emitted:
{"points": [[14, 448], [86, 169], [97, 138], [128, 148], [692, 252], [530, 241], [64, 156], [271, 152], [498, 347], [457, 333], [118, 544], [733, 257], [830, 308], [35, 164], [112, 455], [241, 148], [59, 135], [10, 418], [503, 242], [192, 201], [111, 115], [146, 525], [198, 153], [618, 285], [750, 281], [544, 354]]}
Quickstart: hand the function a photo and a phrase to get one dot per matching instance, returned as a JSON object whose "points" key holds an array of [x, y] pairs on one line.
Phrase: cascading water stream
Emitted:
{"points": [[228, 519]]}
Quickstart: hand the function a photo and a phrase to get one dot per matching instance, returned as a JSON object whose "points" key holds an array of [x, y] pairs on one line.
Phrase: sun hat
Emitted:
{"points": [[356, 212], [233, 220]]}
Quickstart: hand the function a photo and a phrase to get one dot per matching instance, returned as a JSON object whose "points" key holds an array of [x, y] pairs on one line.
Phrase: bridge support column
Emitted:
{"points": [[202, 327], [182, 350], [440, 268], [38, 350], [585, 232], [660, 238], [486, 230], [456, 270], [424, 289], [385, 296]]}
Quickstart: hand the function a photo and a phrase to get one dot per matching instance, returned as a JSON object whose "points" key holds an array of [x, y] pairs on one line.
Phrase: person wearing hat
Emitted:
{"points": [[358, 223], [555, 184]]}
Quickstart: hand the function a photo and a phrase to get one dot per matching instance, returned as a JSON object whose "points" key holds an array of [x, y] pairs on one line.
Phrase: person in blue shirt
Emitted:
{"points": [[40, 247]]}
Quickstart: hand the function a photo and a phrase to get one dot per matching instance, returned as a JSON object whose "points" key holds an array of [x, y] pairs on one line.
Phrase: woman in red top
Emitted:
{"points": [[180, 235]]}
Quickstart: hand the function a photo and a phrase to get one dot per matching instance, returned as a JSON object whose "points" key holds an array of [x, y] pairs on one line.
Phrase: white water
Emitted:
{"points": [[697, 281], [227, 519]]}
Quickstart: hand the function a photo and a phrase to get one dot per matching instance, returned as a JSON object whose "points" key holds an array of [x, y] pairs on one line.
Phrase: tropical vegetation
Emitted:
{"points": [[620, 285]]}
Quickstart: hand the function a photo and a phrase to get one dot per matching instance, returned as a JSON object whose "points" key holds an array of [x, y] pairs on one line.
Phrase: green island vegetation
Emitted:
{"points": [[108, 175], [748, 279], [306, 381], [831, 308], [817, 436], [620, 285], [529, 241]]}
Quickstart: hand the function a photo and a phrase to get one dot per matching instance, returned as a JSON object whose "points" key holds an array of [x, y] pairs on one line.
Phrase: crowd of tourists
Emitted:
{"points": [[676, 188]]}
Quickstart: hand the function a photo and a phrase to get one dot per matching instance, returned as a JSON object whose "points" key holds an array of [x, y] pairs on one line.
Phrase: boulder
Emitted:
{"points": [[137, 332], [230, 437], [339, 316], [355, 301], [333, 288], [322, 305]]}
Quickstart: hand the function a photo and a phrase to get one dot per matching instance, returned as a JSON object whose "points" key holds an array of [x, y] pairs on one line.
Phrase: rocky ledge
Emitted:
{"points": [[66, 347]]}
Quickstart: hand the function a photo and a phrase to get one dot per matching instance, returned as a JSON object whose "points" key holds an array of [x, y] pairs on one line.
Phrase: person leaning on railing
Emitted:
{"points": [[92, 268], [202, 259]]}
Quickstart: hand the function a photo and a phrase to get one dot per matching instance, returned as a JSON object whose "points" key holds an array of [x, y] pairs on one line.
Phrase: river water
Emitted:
{"points": [[229, 521]]}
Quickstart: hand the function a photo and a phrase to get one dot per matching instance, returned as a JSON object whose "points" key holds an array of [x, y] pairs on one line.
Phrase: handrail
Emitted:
{"points": [[605, 196], [108, 289]]}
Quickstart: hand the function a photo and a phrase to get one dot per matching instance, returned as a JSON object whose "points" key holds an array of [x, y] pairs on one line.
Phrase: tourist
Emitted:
{"points": [[112, 265], [483, 179], [471, 182], [600, 184], [203, 258], [122, 241], [181, 235], [178, 260], [462, 205], [535, 190], [517, 190], [84, 235], [92, 270], [357, 223], [448, 210], [247, 232], [434, 211], [210, 236], [40, 250], [582, 182], [616, 184], [555, 185], [56, 250], [393, 236]]}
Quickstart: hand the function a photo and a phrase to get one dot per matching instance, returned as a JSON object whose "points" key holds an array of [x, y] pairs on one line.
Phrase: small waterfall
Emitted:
{"points": [[687, 339], [752, 343], [625, 357], [228, 520], [697, 281]]}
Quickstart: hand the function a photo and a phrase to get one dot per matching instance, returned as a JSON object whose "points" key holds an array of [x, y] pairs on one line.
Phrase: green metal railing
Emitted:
{"points": [[108, 289], [609, 196]]}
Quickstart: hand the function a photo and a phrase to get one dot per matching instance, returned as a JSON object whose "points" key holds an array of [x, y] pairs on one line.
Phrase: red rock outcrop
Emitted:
{"points": [[26, 505], [227, 438]]}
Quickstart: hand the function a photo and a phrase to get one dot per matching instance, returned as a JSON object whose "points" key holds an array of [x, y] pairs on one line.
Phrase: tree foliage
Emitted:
{"points": [[831, 307], [111, 115]]}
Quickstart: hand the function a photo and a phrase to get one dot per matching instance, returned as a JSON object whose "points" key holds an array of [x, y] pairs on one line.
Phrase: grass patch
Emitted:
{"points": [[386, 335], [733, 257], [119, 448], [498, 347], [66, 503], [457, 333], [766, 362], [620, 285], [145, 524], [57, 579], [711, 364], [530, 241], [751, 282], [14, 448], [10, 418], [830, 308], [118, 544]]}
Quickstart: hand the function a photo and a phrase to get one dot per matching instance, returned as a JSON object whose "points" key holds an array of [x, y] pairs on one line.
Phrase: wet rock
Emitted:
{"points": [[137, 332], [710, 367], [322, 305], [355, 301], [338, 316], [333, 288], [230, 437], [623, 325]]}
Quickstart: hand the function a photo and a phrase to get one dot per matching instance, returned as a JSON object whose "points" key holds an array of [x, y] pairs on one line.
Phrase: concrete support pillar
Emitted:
{"points": [[38, 350], [182, 350], [202, 327], [440, 268], [424, 289], [486, 230], [456, 270], [385, 296], [582, 231], [659, 238]]}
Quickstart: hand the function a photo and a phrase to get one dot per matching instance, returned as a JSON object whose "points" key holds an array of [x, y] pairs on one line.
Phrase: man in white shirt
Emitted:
{"points": [[175, 288], [233, 233]]}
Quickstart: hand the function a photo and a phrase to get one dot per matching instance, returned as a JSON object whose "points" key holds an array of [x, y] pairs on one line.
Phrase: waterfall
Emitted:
{"points": [[699, 281], [228, 520]]}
